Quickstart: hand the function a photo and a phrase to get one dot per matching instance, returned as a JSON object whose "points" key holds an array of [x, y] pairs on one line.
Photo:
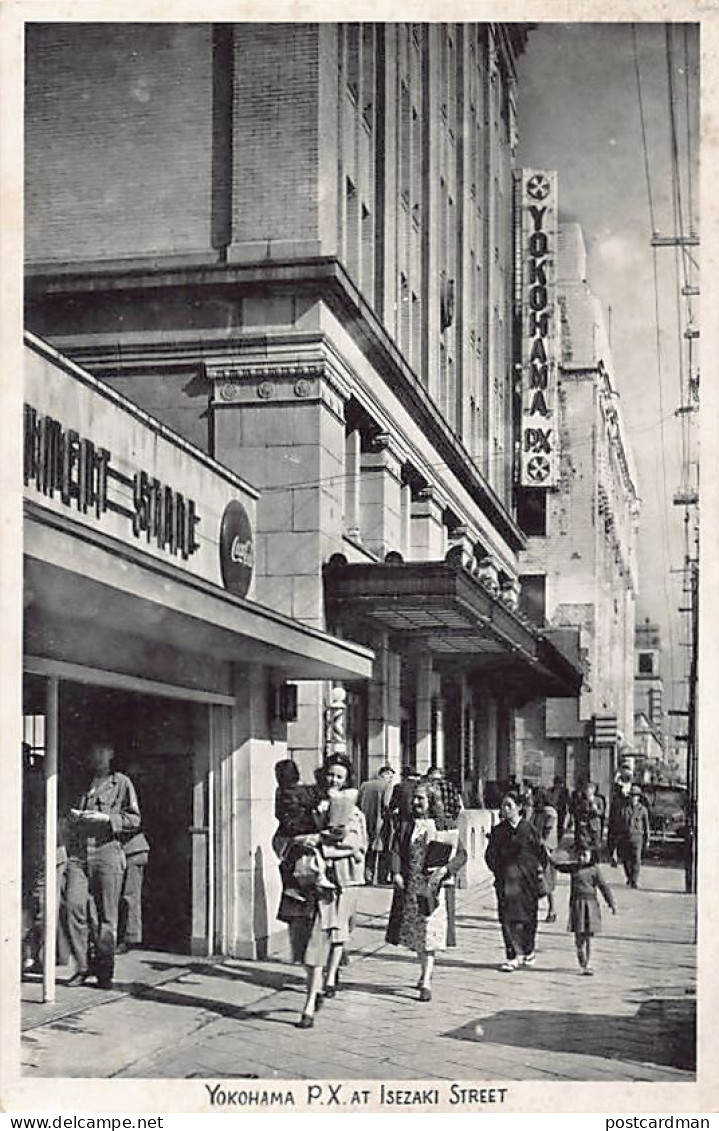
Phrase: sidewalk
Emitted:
{"points": [[189, 1018]]}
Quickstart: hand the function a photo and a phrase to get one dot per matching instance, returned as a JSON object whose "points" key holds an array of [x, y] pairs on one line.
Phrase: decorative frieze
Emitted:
{"points": [[248, 382]]}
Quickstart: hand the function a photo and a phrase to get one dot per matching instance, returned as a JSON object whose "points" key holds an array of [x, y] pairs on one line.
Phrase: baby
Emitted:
{"points": [[306, 826]]}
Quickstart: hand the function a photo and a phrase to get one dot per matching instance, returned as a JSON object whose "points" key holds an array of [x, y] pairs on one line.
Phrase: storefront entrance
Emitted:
{"points": [[159, 744]]}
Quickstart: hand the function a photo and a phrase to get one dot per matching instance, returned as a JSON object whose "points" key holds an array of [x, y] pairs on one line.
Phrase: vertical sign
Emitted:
{"points": [[539, 439]]}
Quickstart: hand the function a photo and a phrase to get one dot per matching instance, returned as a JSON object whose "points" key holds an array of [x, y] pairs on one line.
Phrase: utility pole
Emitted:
{"points": [[691, 848], [688, 497]]}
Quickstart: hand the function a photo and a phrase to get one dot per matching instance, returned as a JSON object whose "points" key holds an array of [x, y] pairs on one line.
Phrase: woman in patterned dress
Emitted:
{"points": [[409, 925]]}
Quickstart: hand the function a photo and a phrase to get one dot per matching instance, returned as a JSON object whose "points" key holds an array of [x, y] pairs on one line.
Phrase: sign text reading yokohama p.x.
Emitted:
{"points": [[539, 426]]}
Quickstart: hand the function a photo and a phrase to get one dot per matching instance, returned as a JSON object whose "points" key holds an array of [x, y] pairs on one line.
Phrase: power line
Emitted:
{"points": [[645, 149]]}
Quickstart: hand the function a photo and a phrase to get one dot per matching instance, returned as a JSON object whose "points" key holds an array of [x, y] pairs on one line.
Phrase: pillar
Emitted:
{"points": [[353, 445], [248, 881], [380, 497], [427, 533], [423, 710], [383, 708], [50, 877]]}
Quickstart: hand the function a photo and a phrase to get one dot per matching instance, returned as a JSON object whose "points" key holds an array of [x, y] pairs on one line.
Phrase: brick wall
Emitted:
{"points": [[118, 124], [276, 134]]}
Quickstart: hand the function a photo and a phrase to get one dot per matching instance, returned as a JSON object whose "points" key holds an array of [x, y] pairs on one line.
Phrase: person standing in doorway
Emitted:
{"points": [[137, 854], [106, 811], [373, 800]]}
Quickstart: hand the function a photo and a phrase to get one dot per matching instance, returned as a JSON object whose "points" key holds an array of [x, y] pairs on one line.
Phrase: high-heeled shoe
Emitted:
{"points": [[330, 991], [306, 1021], [425, 993], [551, 917]]}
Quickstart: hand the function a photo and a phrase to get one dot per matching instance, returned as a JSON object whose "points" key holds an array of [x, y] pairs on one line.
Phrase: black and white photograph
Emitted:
{"points": [[351, 729]]}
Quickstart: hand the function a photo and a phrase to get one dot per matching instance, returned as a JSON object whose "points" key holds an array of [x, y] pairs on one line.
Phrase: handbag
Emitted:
{"points": [[437, 855], [427, 899]]}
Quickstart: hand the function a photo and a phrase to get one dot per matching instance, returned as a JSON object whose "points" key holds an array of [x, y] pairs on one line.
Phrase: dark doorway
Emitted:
{"points": [[153, 739]]}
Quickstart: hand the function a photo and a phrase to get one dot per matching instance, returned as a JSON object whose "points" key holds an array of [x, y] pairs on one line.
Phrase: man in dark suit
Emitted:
{"points": [[373, 800]]}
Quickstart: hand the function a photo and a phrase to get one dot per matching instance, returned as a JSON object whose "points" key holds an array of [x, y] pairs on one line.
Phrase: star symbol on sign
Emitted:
{"points": [[538, 186]]}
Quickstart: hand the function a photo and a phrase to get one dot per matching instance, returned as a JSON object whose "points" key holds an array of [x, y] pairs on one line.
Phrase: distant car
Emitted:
{"points": [[667, 814]]}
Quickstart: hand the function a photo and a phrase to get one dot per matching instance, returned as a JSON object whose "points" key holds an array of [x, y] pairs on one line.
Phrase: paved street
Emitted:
{"points": [[183, 1017]]}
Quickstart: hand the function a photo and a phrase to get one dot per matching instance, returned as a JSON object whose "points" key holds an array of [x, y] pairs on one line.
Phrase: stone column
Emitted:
{"points": [[427, 532], [247, 875], [380, 497], [438, 730], [423, 710], [352, 524], [383, 707]]}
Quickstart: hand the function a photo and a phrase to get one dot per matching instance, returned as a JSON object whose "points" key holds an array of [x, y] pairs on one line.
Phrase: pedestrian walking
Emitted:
{"points": [[585, 917], [633, 835], [446, 805], [559, 800], [587, 821], [620, 795], [546, 823], [452, 804], [373, 799], [424, 858], [515, 855], [400, 803], [320, 924], [96, 865], [600, 802]]}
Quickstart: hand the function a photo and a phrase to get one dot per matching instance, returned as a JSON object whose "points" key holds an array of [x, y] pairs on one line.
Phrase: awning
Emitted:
{"points": [[446, 610], [107, 586]]}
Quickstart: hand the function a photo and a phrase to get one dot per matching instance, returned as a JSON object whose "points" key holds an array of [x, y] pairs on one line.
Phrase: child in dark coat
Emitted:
{"points": [[585, 918]]}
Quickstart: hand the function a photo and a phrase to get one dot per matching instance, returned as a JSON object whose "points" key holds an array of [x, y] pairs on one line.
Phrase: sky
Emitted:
{"points": [[579, 114]]}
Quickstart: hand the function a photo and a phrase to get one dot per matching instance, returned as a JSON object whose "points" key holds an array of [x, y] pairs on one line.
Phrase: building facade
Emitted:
{"points": [[579, 567], [141, 627], [293, 246]]}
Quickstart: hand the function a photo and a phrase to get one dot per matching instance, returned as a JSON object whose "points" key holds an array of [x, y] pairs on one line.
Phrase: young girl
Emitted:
{"points": [[585, 917]]}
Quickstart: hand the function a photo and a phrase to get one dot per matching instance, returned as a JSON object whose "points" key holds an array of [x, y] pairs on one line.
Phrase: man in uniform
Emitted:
{"points": [[137, 854], [107, 811]]}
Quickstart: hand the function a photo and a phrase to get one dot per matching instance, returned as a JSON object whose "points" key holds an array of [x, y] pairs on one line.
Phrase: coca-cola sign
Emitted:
{"points": [[237, 551]]}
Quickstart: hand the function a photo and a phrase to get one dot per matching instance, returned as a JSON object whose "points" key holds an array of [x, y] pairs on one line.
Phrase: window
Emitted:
{"points": [[368, 67], [532, 512], [353, 50], [367, 250], [532, 598], [404, 314], [405, 141], [646, 663], [352, 230]]}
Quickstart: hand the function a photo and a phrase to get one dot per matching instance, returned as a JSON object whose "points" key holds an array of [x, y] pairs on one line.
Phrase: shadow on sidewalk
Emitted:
{"points": [[662, 1032], [164, 996]]}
